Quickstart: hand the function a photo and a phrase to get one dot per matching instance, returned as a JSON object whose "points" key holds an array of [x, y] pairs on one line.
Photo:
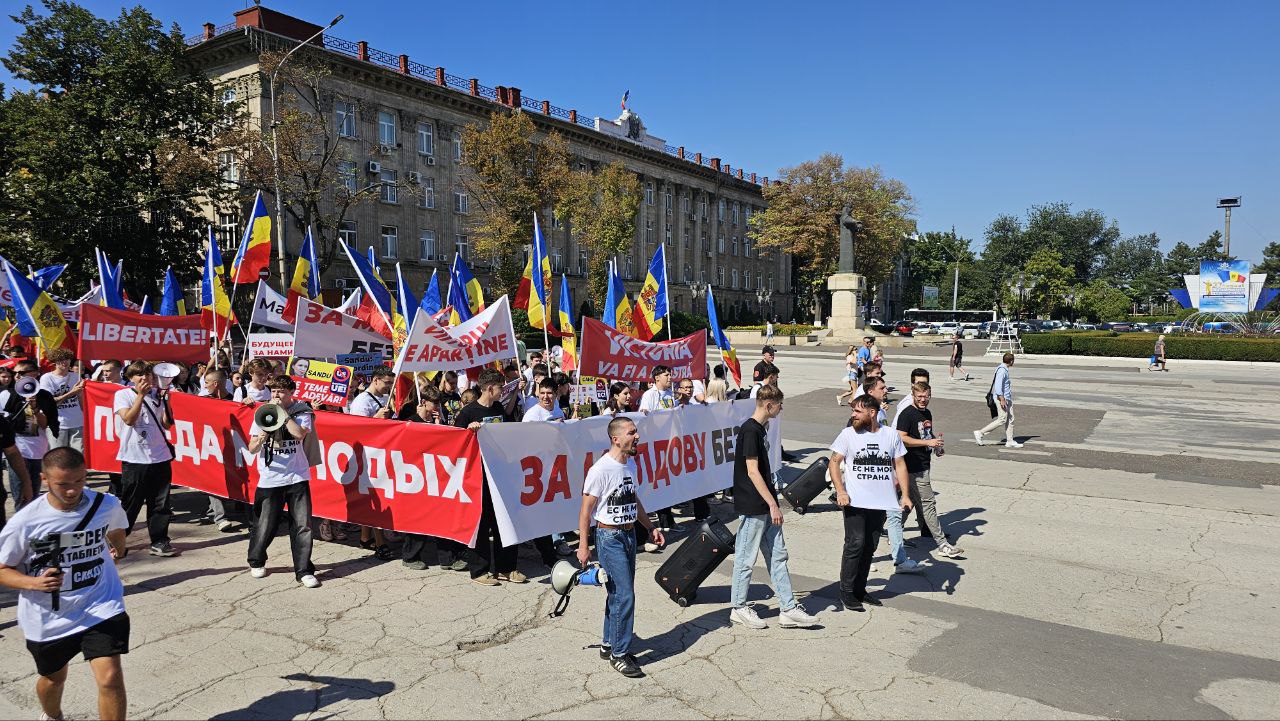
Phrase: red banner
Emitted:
{"points": [[612, 354], [402, 476], [126, 335]]}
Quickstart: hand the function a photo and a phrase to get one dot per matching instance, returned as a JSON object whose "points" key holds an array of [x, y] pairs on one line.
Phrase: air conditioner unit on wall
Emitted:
{"points": [[415, 177], [384, 149], [431, 160], [374, 167]]}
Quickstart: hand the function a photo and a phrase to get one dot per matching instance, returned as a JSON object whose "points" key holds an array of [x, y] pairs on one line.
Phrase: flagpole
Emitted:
{"points": [[666, 285]]}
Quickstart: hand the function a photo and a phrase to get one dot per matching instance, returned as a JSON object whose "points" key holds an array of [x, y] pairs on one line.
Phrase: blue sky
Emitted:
{"points": [[1146, 111]]}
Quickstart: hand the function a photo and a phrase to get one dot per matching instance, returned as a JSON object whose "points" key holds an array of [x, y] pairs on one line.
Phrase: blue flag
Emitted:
{"points": [[406, 299], [46, 276], [431, 303], [172, 301]]}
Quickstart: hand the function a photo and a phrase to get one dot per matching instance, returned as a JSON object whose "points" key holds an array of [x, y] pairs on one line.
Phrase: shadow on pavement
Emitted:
{"points": [[962, 522], [306, 702]]}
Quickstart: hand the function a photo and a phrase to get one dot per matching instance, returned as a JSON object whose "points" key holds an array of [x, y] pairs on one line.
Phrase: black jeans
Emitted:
{"points": [[861, 535], [268, 507], [150, 484], [427, 549], [494, 558]]}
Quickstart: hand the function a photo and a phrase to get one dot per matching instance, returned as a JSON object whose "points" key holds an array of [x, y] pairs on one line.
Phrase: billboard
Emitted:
{"points": [[930, 299], [1224, 286]]}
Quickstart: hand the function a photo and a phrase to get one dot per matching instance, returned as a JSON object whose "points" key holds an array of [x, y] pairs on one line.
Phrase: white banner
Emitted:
{"points": [[268, 307], [536, 471], [488, 336], [324, 333]]}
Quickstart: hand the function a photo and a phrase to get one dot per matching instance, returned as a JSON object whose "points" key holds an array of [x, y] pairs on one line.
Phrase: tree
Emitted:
{"points": [[603, 207], [111, 148], [1136, 266], [512, 175], [1185, 259], [1084, 239], [1101, 301], [1003, 256], [1047, 280], [1270, 264], [931, 260], [801, 220]]}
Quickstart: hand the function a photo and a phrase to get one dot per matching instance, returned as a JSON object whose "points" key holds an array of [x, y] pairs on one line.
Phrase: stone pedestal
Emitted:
{"points": [[845, 323]]}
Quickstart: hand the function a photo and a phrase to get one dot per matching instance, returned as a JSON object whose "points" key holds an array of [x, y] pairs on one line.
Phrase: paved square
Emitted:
{"points": [[1120, 565]]}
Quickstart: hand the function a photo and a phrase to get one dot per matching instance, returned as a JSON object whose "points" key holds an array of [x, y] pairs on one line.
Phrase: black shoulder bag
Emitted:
{"points": [[991, 400]]}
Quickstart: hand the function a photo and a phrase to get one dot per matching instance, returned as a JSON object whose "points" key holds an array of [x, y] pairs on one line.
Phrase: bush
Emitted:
{"points": [[1140, 345], [779, 328]]}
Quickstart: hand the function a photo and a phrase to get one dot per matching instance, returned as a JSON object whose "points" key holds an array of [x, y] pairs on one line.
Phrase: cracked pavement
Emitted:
{"points": [[1112, 570]]}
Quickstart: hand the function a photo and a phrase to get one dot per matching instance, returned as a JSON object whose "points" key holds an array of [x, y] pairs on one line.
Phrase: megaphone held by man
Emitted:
{"points": [[565, 575]]}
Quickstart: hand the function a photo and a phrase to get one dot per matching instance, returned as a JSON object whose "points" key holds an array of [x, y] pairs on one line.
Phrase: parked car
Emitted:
{"points": [[948, 329], [1120, 327], [904, 327], [1086, 326], [970, 330], [925, 329]]}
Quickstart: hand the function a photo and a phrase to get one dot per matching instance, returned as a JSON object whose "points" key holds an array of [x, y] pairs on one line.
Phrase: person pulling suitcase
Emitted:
{"points": [[609, 501]]}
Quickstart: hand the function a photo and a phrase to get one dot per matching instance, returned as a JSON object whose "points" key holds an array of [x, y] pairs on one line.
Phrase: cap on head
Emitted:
{"points": [[768, 349]]}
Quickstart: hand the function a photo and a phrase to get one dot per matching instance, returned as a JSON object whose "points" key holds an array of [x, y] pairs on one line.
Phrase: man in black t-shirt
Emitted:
{"points": [[760, 528], [915, 425], [765, 365], [489, 408], [8, 445]]}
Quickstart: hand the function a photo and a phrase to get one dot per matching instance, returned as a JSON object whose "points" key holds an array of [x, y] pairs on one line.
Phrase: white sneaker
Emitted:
{"points": [[651, 547], [310, 581], [977, 438], [259, 572], [796, 618], [872, 569], [747, 617], [1015, 444], [908, 566], [950, 551], [224, 524]]}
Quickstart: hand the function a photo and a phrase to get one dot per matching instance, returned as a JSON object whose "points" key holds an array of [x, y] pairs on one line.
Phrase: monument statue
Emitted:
{"points": [[845, 322], [849, 228]]}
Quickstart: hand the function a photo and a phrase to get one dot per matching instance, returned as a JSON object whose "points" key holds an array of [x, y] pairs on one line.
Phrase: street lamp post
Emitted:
{"points": [[762, 298], [275, 148]]}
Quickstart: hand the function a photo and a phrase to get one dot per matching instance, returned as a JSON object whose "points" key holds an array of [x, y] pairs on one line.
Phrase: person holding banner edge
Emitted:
{"points": [[145, 455]]}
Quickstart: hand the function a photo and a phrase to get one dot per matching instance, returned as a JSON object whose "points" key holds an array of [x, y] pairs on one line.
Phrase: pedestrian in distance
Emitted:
{"points": [[1158, 360], [850, 375], [1001, 394], [957, 358]]}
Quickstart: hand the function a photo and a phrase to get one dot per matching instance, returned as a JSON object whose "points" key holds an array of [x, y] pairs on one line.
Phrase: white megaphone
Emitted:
{"points": [[27, 387], [165, 373], [564, 576], [270, 417]]}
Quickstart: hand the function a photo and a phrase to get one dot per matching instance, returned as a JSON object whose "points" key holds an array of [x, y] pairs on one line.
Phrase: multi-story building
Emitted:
{"points": [[404, 121]]}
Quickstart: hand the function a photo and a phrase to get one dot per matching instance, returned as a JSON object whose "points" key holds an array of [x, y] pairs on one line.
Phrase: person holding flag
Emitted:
{"points": [[651, 301], [255, 246], [306, 278]]}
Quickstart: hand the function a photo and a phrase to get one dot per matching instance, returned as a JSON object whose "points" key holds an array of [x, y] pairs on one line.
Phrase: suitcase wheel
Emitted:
{"points": [[682, 601], [799, 509]]}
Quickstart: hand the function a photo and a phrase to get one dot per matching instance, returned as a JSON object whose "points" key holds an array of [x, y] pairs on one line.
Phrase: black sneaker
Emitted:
{"points": [[163, 549], [872, 600], [626, 665], [606, 653], [853, 604]]}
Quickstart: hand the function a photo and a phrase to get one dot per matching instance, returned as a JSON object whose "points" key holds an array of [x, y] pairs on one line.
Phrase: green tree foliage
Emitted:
{"points": [[1048, 280], [1100, 302], [1270, 264], [931, 260], [801, 220], [111, 147], [602, 207], [1184, 258], [1136, 266], [1084, 239]]}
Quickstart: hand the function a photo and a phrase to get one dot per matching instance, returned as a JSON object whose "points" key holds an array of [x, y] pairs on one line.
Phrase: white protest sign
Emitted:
{"points": [[269, 335], [486, 337], [537, 470], [323, 332]]}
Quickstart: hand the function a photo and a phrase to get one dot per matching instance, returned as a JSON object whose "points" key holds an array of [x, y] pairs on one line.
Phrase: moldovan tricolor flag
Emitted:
{"points": [[37, 314], [255, 247], [306, 279], [111, 296], [568, 342], [727, 353], [651, 302], [533, 295], [215, 308], [386, 319], [621, 319], [431, 302], [465, 295]]}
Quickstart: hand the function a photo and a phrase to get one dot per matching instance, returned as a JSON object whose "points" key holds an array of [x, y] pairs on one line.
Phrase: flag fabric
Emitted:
{"points": [[625, 96], [387, 320], [651, 301], [351, 302], [255, 246], [431, 302], [610, 315], [465, 294], [306, 279], [215, 307], [109, 283], [37, 314], [144, 308], [622, 315], [172, 301], [46, 276], [373, 261], [568, 342], [218, 266], [534, 292], [727, 354], [404, 297]]}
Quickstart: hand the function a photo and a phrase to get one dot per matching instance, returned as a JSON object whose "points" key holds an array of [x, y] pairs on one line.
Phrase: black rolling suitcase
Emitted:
{"points": [[693, 560], [801, 492]]}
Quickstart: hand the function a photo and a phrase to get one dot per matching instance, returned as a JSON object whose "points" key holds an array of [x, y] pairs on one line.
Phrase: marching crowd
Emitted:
{"points": [[879, 471]]}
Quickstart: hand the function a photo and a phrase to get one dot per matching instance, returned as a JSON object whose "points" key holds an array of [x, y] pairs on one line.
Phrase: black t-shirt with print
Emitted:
{"points": [[450, 404], [762, 370], [753, 442], [475, 413], [919, 425]]}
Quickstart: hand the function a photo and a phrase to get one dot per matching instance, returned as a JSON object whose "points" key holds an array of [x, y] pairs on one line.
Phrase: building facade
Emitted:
{"points": [[404, 121]]}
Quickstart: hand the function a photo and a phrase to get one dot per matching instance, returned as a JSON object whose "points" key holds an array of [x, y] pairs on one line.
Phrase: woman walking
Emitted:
{"points": [[850, 374]]}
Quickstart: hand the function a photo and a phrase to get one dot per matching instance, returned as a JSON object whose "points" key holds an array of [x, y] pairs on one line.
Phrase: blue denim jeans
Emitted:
{"points": [[893, 521], [617, 552], [755, 534]]}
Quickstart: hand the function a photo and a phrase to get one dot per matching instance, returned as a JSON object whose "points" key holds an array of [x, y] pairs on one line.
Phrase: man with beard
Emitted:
{"points": [[866, 465], [609, 501]]}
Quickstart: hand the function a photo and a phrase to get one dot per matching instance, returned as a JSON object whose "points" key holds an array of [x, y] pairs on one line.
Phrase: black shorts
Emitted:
{"points": [[106, 638], [957, 361]]}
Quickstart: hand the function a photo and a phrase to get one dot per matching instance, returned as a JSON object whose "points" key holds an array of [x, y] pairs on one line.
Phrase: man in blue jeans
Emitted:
{"points": [[760, 520], [609, 501]]}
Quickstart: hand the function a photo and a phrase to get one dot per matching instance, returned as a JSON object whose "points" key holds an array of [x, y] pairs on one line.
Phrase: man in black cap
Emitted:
{"points": [[765, 364]]}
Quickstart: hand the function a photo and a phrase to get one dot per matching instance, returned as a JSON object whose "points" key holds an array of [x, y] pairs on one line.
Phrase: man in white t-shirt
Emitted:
{"points": [[65, 387], [659, 396], [145, 456], [610, 503], [256, 389], [539, 372], [29, 417], [60, 553], [375, 400], [868, 472], [284, 478], [546, 408]]}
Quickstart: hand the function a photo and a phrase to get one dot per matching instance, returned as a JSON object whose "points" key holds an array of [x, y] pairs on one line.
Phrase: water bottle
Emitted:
{"points": [[939, 450]]}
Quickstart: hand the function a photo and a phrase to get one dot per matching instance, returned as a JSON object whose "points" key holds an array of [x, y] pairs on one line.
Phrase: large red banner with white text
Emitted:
{"points": [[410, 477], [612, 354], [128, 335]]}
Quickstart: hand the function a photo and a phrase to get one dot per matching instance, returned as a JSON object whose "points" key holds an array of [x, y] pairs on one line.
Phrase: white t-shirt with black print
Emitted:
{"points": [[144, 441], [868, 469], [70, 414], [614, 484]]}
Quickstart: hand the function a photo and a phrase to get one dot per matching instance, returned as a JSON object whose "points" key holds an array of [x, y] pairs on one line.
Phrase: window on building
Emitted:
{"points": [[426, 245], [735, 245], [347, 232], [228, 230], [702, 277], [703, 206], [770, 282], [629, 273], [720, 243], [735, 213], [746, 214], [746, 247], [648, 193], [344, 114], [457, 147], [557, 262], [668, 200], [688, 273], [387, 128], [389, 235], [720, 276], [720, 210], [706, 245], [460, 246], [666, 239], [746, 279], [426, 139], [461, 202], [388, 192], [582, 261], [648, 231], [687, 241], [228, 166], [684, 204], [733, 278], [347, 174], [429, 193], [555, 220], [228, 95]]}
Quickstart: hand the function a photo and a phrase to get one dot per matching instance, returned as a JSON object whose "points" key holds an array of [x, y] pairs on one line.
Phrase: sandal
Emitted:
{"points": [[326, 531], [384, 553]]}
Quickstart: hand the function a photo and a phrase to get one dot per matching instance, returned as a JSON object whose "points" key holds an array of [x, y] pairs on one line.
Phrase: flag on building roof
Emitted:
{"points": [[254, 254], [625, 97]]}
